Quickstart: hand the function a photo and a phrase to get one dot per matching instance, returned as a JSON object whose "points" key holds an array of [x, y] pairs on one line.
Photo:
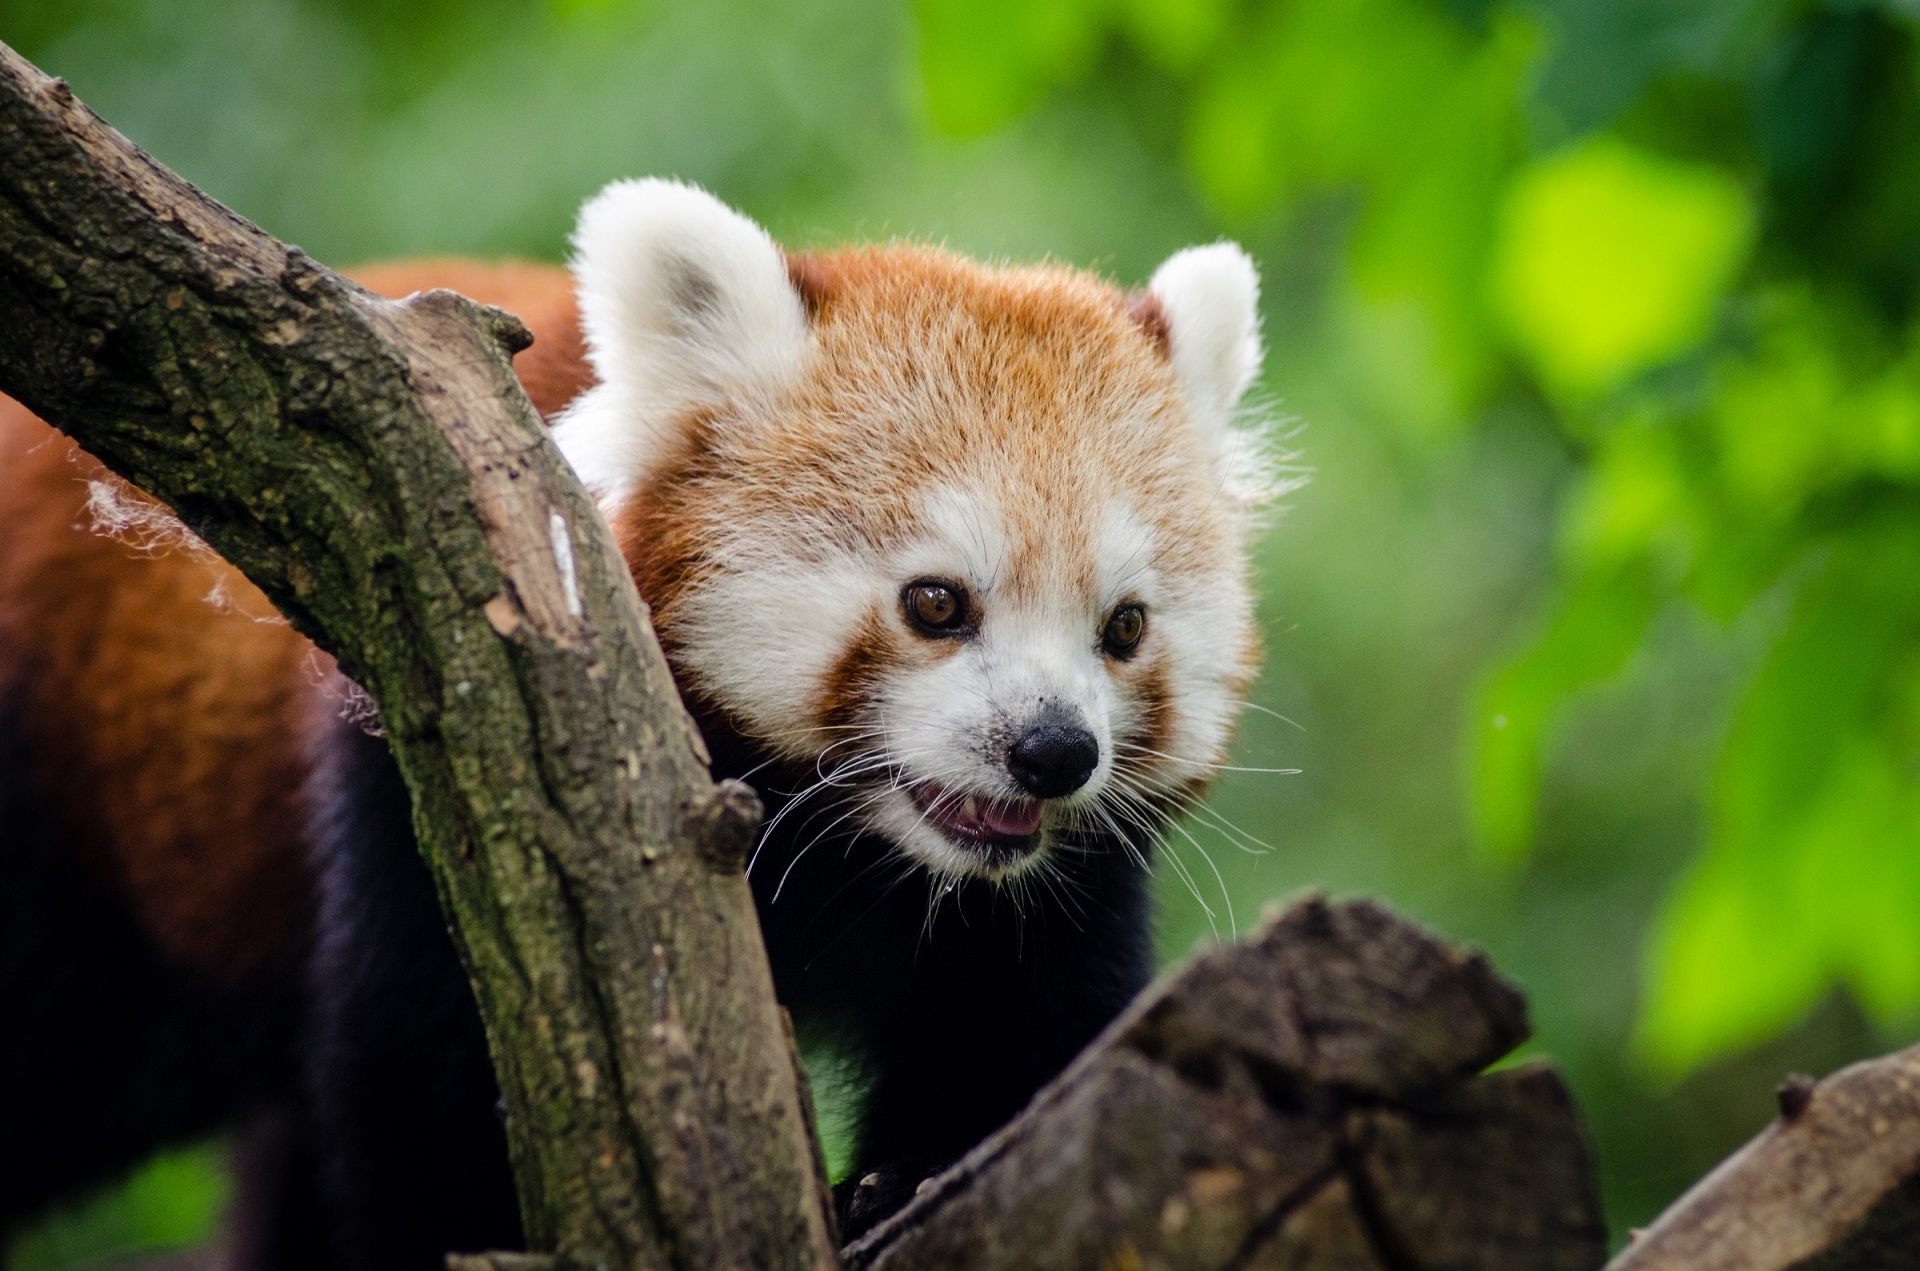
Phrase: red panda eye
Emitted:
{"points": [[935, 608], [1124, 629]]}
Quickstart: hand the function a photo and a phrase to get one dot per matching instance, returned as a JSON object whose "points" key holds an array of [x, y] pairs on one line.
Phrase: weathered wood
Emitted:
{"points": [[374, 467], [1491, 1173], [1832, 1185], [1307, 1100]]}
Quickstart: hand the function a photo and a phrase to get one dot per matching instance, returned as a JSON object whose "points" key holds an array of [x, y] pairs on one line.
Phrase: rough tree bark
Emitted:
{"points": [[1833, 1185], [375, 468]]}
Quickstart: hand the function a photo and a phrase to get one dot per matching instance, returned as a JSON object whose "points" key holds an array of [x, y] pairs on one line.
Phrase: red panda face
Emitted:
{"points": [[966, 542]]}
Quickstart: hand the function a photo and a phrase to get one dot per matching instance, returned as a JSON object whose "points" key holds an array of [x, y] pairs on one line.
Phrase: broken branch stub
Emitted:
{"points": [[1308, 1099]]}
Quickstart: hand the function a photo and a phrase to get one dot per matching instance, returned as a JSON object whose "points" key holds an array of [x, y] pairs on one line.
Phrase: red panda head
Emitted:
{"points": [[968, 541]]}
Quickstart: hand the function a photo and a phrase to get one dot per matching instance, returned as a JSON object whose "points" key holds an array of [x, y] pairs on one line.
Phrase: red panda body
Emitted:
{"points": [[948, 561]]}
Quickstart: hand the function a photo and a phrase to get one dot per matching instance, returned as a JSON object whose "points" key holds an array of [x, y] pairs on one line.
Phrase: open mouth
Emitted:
{"points": [[996, 825]]}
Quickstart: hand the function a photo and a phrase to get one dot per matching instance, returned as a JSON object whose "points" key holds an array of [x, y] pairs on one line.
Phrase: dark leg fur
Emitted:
{"points": [[404, 1092], [109, 1050], [276, 1220]]}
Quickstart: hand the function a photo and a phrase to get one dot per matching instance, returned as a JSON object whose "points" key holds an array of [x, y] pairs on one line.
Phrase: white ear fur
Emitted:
{"points": [[1210, 296], [685, 304]]}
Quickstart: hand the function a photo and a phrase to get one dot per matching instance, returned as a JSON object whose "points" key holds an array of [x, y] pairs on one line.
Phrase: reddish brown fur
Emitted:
{"points": [[1055, 337], [164, 730], [1153, 728], [168, 731]]}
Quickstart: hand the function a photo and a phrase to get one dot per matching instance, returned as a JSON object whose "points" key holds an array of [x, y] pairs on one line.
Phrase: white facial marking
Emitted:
{"points": [[763, 633], [767, 627]]}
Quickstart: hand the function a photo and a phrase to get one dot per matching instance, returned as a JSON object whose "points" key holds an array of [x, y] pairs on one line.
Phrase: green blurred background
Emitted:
{"points": [[1595, 630]]}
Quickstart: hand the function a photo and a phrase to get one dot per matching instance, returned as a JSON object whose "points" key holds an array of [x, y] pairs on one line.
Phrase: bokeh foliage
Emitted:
{"points": [[1595, 632]]}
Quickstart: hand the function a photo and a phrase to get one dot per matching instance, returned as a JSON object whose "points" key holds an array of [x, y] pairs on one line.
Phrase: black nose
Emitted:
{"points": [[1053, 760]]}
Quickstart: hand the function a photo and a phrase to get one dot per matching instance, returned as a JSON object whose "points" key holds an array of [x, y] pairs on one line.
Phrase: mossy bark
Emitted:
{"points": [[374, 467]]}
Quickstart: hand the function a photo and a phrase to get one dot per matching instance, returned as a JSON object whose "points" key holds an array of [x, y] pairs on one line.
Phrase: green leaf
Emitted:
{"points": [[984, 63], [1636, 500], [1176, 34], [1756, 932], [174, 1201], [1815, 405], [1611, 260], [1319, 93], [1812, 875], [1418, 116], [1589, 636], [1427, 227]]}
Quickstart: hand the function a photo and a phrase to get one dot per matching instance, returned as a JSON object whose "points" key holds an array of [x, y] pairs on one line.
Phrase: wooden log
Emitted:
{"points": [[1309, 1099], [1832, 1185]]}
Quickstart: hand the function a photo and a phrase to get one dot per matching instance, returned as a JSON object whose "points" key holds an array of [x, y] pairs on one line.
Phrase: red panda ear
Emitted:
{"points": [[1151, 316], [1208, 301], [687, 308], [1204, 303], [816, 279]]}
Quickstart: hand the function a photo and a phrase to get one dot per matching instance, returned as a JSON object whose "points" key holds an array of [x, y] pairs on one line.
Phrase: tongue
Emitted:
{"points": [[1015, 820]]}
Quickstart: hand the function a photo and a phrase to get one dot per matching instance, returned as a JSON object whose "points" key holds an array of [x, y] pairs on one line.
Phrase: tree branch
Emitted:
{"points": [[374, 467], [1833, 1185]]}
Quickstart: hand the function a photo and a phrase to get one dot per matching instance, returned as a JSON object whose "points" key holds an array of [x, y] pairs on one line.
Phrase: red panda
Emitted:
{"points": [[949, 561]]}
